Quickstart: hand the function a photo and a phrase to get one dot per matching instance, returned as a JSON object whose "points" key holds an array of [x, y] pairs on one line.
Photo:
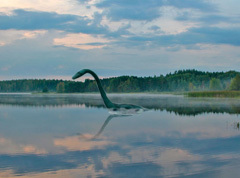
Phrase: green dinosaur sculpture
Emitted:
{"points": [[113, 107]]}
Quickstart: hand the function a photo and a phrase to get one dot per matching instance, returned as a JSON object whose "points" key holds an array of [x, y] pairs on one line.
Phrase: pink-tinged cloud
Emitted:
{"points": [[8, 146], [81, 143], [81, 41]]}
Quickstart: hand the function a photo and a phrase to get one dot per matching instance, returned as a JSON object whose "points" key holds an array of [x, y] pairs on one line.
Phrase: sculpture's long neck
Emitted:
{"points": [[106, 101]]}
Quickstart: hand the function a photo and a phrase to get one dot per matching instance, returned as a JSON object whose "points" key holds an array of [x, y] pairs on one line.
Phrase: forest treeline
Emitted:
{"points": [[179, 81]]}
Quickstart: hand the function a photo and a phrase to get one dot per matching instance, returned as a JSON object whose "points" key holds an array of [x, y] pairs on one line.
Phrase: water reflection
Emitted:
{"points": [[236, 125], [177, 104], [109, 118], [39, 137]]}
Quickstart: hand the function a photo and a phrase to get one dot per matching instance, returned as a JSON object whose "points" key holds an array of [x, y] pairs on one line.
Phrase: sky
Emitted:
{"points": [[54, 39]]}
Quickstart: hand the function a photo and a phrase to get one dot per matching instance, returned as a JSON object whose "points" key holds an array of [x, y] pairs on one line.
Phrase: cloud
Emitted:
{"points": [[6, 68], [29, 20], [206, 35], [2, 43], [9, 36], [147, 10], [201, 5], [46, 38], [36, 20], [81, 143], [212, 35], [39, 58], [81, 41], [117, 10], [215, 19], [155, 28], [82, 171], [11, 148], [208, 19], [72, 7]]}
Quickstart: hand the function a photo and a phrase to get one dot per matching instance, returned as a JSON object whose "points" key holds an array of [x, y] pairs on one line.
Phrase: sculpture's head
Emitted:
{"points": [[79, 74]]}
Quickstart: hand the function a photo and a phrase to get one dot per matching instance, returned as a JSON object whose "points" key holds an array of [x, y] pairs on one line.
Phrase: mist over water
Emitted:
{"points": [[74, 135]]}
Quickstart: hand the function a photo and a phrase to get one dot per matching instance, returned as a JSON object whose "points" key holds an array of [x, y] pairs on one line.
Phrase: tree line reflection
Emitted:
{"points": [[173, 104]]}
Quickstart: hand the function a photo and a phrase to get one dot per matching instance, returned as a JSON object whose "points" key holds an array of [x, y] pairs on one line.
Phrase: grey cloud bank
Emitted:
{"points": [[147, 10], [163, 34], [211, 35]]}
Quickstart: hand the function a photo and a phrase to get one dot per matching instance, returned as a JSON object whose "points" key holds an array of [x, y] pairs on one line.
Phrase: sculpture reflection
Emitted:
{"points": [[109, 118]]}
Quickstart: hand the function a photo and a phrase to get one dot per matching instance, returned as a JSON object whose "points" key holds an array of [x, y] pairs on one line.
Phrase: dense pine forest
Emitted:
{"points": [[179, 81]]}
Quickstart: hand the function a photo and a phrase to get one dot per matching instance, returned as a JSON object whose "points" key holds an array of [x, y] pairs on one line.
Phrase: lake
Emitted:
{"points": [[73, 135]]}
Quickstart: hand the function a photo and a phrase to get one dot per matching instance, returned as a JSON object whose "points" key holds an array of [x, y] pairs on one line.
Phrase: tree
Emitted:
{"points": [[191, 86], [215, 84], [235, 83], [60, 87], [182, 80], [45, 89]]}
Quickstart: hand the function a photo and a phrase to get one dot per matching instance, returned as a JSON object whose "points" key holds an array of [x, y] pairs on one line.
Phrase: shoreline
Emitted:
{"points": [[214, 94], [194, 94]]}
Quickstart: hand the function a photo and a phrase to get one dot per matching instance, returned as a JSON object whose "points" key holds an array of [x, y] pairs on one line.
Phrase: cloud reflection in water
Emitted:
{"points": [[40, 140]]}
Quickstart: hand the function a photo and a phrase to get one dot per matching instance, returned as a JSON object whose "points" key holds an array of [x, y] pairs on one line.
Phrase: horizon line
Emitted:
{"points": [[82, 79]]}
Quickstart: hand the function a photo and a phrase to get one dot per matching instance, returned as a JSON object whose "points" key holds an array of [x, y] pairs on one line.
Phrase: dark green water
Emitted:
{"points": [[75, 136]]}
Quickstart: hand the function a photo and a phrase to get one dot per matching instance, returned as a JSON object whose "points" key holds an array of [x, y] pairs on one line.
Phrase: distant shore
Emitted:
{"points": [[218, 94], [213, 94]]}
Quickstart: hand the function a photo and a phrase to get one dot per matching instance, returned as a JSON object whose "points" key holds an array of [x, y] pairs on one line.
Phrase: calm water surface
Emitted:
{"points": [[75, 136]]}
